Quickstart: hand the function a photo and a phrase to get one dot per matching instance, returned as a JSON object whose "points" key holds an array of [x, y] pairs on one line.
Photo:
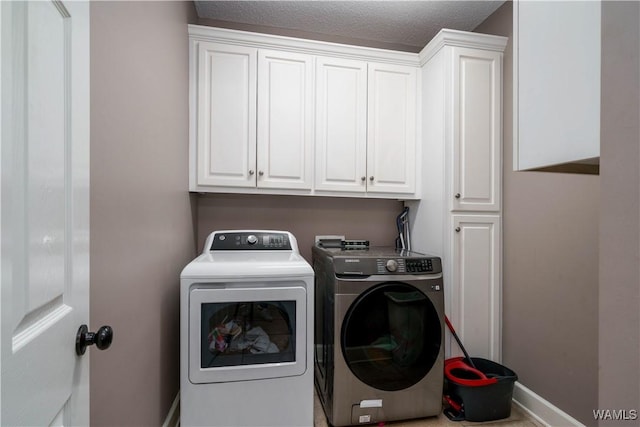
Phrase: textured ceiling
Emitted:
{"points": [[408, 25]]}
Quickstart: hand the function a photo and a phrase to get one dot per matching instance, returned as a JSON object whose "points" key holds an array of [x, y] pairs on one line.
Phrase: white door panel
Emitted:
{"points": [[226, 115], [45, 211], [476, 283], [391, 149], [341, 125], [477, 136], [285, 120]]}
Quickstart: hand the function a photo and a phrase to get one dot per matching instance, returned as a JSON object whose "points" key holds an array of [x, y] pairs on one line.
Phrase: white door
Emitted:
{"points": [[477, 130], [285, 120], [45, 212], [226, 94], [341, 125], [392, 115], [476, 284]]}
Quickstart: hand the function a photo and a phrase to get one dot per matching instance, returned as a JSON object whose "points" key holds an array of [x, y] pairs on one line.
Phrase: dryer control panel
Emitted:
{"points": [[250, 240]]}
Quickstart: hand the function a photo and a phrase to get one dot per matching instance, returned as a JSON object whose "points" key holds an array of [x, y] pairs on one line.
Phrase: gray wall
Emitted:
{"points": [[305, 217], [141, 217], [620, 207], [142, 227], [550, 269]]}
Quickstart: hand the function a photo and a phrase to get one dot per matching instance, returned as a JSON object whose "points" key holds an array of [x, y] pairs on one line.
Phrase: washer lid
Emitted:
{"points": [[244, 264]]}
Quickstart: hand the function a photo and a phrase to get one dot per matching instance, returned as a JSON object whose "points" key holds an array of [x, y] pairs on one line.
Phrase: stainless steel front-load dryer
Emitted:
{"points": [[379, 351]]}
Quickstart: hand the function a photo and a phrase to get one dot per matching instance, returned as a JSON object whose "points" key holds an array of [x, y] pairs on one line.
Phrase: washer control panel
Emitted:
{"points": [[388, 266], [383, 260], [403, 265], [424, 265], [250, 240]]}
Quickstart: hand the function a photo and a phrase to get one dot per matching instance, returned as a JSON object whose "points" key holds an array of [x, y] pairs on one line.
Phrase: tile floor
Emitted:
{"points": [[517, 419]]}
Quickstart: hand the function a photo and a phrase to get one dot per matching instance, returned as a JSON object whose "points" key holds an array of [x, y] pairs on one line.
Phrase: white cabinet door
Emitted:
{"points": [[285, 120], [556, 86], [476, 283], [341, 125], [477, 130], [226, 128], [45, 212], [391, 148]]}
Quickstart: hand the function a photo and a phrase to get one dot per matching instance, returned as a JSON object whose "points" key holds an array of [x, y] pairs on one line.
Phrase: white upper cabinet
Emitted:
{"points": [[285, 120], [279, 115], [556, 83], [341, 125], [391, 140], [477, 129], [226, 125], [366, 127], [239, 145]]}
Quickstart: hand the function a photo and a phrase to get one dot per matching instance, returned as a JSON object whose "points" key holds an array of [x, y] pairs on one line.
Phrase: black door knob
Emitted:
{"points": [[102, 339]]}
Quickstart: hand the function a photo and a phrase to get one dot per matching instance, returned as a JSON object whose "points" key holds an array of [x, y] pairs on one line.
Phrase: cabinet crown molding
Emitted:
{"points": [[292, 44], [447, 37]]}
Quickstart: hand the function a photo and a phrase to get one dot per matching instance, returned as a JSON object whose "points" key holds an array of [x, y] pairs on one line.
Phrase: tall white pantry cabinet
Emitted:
{"points": [[459, 214]]}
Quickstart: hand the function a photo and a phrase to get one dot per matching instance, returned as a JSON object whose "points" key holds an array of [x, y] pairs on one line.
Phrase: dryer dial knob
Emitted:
{"points": [[252, 240], [392, 265]]}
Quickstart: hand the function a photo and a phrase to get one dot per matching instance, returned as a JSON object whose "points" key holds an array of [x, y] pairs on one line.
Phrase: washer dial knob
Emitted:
{"points": [[392, 265], [252, 240]]}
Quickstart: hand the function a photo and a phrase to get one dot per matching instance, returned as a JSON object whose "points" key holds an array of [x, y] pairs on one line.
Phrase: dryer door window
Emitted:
{"points": [[247, 333], [391, 336], [240, 334]]}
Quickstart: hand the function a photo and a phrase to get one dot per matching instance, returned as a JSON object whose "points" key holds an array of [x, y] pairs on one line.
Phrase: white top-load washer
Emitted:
{"points": [[246, 319]]}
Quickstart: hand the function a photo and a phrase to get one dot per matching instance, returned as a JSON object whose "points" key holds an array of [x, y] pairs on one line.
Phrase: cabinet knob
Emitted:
{"points": [[457, 196], [457, 229], [251, 172], [260, 173], [363, 178], [371, 178]]}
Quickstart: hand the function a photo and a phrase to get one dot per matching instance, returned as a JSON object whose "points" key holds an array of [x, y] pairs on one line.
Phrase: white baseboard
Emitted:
{"points": [[540, 409], [173, 417]]}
